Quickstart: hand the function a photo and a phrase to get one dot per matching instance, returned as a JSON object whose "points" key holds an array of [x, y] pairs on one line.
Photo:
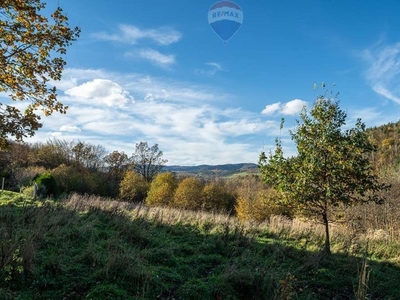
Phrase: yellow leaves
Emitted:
{"points": [[7, 79], [162, 190], [387, 142], [31, 49], [259, 206], [189, 195], [133, 187]]}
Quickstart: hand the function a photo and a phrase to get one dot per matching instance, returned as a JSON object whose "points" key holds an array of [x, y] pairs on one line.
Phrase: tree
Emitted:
{"points": [[88, 156], [31, 54], [53, 153], [162, 189], [332, 165], [133, 187], [189, 194], [117, 163], [216, 197], [148, 161]]}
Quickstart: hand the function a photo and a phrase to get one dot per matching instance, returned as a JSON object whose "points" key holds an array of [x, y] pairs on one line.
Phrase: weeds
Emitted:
{"points": [[363, 279], [94, 248]]}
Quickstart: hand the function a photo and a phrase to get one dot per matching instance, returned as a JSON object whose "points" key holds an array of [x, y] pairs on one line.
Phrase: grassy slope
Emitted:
{"points": [[93, 249]]}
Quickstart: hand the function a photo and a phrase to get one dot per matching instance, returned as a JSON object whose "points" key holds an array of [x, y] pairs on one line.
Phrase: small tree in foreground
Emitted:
{"points": [[331, 167]]}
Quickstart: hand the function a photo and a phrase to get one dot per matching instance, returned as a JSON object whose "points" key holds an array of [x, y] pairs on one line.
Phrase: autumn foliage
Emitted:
{"points": [[189, 195], [31, 55], [162, 190], [133, 187]]}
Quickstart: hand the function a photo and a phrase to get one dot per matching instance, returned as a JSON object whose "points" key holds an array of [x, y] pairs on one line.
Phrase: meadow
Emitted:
{"points": [[87, 247]]}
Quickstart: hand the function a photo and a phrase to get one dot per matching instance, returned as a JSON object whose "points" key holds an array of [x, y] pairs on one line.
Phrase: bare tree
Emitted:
{"points": [[147, 160]]}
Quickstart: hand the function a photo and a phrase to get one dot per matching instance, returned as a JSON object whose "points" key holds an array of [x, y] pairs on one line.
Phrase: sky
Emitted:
{"points": [[155, 71]]}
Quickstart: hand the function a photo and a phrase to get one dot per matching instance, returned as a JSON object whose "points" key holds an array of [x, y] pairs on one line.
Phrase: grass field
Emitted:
{"points": [[86, 247]]}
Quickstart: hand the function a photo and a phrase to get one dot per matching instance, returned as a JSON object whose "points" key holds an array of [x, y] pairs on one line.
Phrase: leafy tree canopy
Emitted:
{"points": [[332, 165], [31, 55]]}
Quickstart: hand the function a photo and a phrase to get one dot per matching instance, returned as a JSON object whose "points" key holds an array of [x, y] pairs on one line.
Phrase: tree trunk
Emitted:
{"points": [[327, 248]]}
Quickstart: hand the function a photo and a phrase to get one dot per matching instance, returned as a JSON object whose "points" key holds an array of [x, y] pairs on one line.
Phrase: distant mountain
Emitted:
{"points": [[213, 170]]}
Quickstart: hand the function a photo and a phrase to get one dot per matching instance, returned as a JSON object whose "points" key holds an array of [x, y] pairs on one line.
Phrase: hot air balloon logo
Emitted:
{"points": [[225, 18]]}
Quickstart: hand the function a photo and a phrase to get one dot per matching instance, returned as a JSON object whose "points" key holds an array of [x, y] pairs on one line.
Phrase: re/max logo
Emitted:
{"points": [[225, 14]]}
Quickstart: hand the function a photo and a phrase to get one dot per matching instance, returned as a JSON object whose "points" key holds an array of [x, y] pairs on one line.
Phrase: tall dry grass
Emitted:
{"points": [[308, 234]]}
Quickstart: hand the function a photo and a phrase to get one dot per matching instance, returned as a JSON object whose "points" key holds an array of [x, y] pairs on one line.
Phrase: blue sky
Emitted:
{"points": [[153, 70]]}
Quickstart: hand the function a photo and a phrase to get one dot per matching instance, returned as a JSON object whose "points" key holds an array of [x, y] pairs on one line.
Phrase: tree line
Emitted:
{"points": [[76, 166]]}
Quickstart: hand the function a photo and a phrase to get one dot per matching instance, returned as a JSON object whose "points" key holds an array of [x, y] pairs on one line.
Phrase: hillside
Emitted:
{"points": [[387, 140], [213, 170]]}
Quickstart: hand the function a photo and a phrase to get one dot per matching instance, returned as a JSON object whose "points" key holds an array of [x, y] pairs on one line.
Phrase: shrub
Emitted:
{"points": [[259, 206], [75, 179], [49, 182], [189, 194], [133, 187], [162, 190], [68, 178], [24, 176], [216, 197]]}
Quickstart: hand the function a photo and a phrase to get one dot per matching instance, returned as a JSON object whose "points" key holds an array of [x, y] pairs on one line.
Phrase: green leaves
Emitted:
{"points": [[332, 165]]}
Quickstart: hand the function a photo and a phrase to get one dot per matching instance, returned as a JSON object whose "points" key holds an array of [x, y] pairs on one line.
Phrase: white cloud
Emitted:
{"points": [[289, 108], [130, 34], [242, 127], [215, 65], [211, 69], [271, 108], [384, 70], [293, 107], [172, 90], [154, 57], [69, 128], [142, 86], [185, 119], [54, 134], [101, 91]]}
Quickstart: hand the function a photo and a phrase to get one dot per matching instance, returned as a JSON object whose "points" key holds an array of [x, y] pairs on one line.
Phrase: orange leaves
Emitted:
{"points": [[31, 49]]}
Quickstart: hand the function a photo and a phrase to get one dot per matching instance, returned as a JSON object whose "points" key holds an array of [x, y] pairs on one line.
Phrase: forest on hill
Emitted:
{"points": [[386, 138]]}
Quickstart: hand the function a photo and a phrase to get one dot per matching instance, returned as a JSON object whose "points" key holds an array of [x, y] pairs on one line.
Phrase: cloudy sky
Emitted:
{"points": [[154, 70]]}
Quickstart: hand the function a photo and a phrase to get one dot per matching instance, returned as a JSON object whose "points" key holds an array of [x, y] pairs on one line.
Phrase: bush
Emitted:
{"points": [[133, 187], [162, 190], [189, 194], [75, 179], [24, 176], [49, 182], [67, 178], [216, 197], [259, 206]]}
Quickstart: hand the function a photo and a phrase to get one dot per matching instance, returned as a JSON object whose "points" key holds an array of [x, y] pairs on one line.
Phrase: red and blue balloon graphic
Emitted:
{"points": [[225, 18]]}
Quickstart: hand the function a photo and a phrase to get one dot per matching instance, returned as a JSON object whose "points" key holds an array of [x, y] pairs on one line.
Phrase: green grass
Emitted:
{"points": [[242, 174], [89, 248]]}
